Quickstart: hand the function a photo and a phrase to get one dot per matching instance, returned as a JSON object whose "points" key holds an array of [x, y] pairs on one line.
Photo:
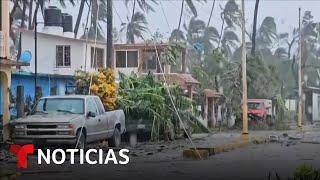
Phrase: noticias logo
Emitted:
{"points": [[59, 156]]}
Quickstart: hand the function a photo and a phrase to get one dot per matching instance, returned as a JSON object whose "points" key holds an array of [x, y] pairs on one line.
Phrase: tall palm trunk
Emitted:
{"points": [[133, 9], [76, 27], [214, 1], [254, 30], [14, 8], [290, 47], [35, 14], [94, 14], [181, 12], [180, 19], [109, 34], [24, 9], [41, 2], [221, 30], [30, 15]]}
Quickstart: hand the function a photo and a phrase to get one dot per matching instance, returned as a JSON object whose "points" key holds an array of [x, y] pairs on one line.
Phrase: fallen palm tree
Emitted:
{"points": [[146, 98]]}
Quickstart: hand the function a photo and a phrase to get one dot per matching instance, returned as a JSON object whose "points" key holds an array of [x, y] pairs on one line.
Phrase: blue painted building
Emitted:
{"points": [[50, 84]]}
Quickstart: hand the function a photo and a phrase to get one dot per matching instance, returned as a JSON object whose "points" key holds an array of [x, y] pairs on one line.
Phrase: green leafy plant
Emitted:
{"points": [[147, 98], [303, 172]]}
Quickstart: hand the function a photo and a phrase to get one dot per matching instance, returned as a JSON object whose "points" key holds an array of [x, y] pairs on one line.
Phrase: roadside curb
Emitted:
{"points": [[205, 152], [198, 154]]}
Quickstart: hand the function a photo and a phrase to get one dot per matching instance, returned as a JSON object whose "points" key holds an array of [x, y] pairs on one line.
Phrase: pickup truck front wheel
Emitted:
{"points": [[81, 140], [115, 140]]}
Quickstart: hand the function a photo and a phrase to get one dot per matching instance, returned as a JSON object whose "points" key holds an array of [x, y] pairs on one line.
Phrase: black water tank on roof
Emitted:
{"points": [[67, 22], [52, 16]]}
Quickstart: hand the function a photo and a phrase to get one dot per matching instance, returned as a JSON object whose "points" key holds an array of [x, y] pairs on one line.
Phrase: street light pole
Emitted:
{"points": [[245, 132], [299, 75]]}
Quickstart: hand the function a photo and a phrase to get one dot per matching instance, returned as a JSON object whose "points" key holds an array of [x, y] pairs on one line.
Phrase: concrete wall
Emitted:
{"points": [[291, 105], [46, 84], [315, 107], [47, 53]]}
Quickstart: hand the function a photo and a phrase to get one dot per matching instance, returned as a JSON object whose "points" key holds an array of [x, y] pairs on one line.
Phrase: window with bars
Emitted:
{"points": [[63, 56], [97, 57]]}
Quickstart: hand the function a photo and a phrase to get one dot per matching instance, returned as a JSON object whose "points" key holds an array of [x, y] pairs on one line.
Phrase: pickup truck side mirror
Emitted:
{"points": [[91, 114]]}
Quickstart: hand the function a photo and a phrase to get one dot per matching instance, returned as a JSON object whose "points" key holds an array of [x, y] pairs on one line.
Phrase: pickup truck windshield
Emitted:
{"points": [[60, 105], [254, 105]]}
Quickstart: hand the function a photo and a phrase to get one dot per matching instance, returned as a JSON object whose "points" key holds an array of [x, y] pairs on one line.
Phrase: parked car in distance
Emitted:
{"points": [[259, 109], [72, 120]]}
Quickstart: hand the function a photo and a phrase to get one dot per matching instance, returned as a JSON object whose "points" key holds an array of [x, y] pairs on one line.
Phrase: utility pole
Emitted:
{"points": [[35, 57], [5, 70], [299, 75], [109, 62], [245, 132]]}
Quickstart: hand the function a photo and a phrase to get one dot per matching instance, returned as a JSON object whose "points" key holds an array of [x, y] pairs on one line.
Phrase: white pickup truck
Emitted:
{"points": [[73, 120]]}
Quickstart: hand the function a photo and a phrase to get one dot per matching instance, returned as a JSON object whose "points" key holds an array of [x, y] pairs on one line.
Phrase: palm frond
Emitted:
{"points": [[192, 7]]}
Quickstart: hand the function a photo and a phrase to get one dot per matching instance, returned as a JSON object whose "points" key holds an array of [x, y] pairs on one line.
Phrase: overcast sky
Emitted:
{"points": [[285, 13]]}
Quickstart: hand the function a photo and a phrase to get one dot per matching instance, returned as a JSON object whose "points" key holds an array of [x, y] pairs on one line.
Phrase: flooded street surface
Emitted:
{"points": [[164, 161]]}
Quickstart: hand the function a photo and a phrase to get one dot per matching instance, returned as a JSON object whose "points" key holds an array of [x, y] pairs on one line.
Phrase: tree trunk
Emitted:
{"points": [[181, 12], [24, 9], [30, 15], [254, 30], [221, 30], [14, 8], [290, 47], [35, 14], [94, 14], [133, 9], [76, 27], [109, 34], [214, 1], [41, 2]]}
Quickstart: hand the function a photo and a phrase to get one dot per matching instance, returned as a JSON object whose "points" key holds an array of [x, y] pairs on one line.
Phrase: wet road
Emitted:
{"points": [[252, 162]]}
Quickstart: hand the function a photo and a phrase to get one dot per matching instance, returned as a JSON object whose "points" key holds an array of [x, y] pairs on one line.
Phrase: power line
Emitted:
{"points": [[170, 95], [165, 16], [115, 9]]}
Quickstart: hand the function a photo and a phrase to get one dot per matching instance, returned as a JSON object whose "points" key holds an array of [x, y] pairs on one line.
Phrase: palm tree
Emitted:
{"points": [[229, 42], [211, 12], [144, 5], [267, 33], [199, 33], [254, 30], [135, 27], [230, 15], [24, 9], [284, 40], [76, 27], [177, 35], [210, 36], [193, 9], [310, 32], [16, 5], [30, 15], [63, 3], [98, 13]]}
